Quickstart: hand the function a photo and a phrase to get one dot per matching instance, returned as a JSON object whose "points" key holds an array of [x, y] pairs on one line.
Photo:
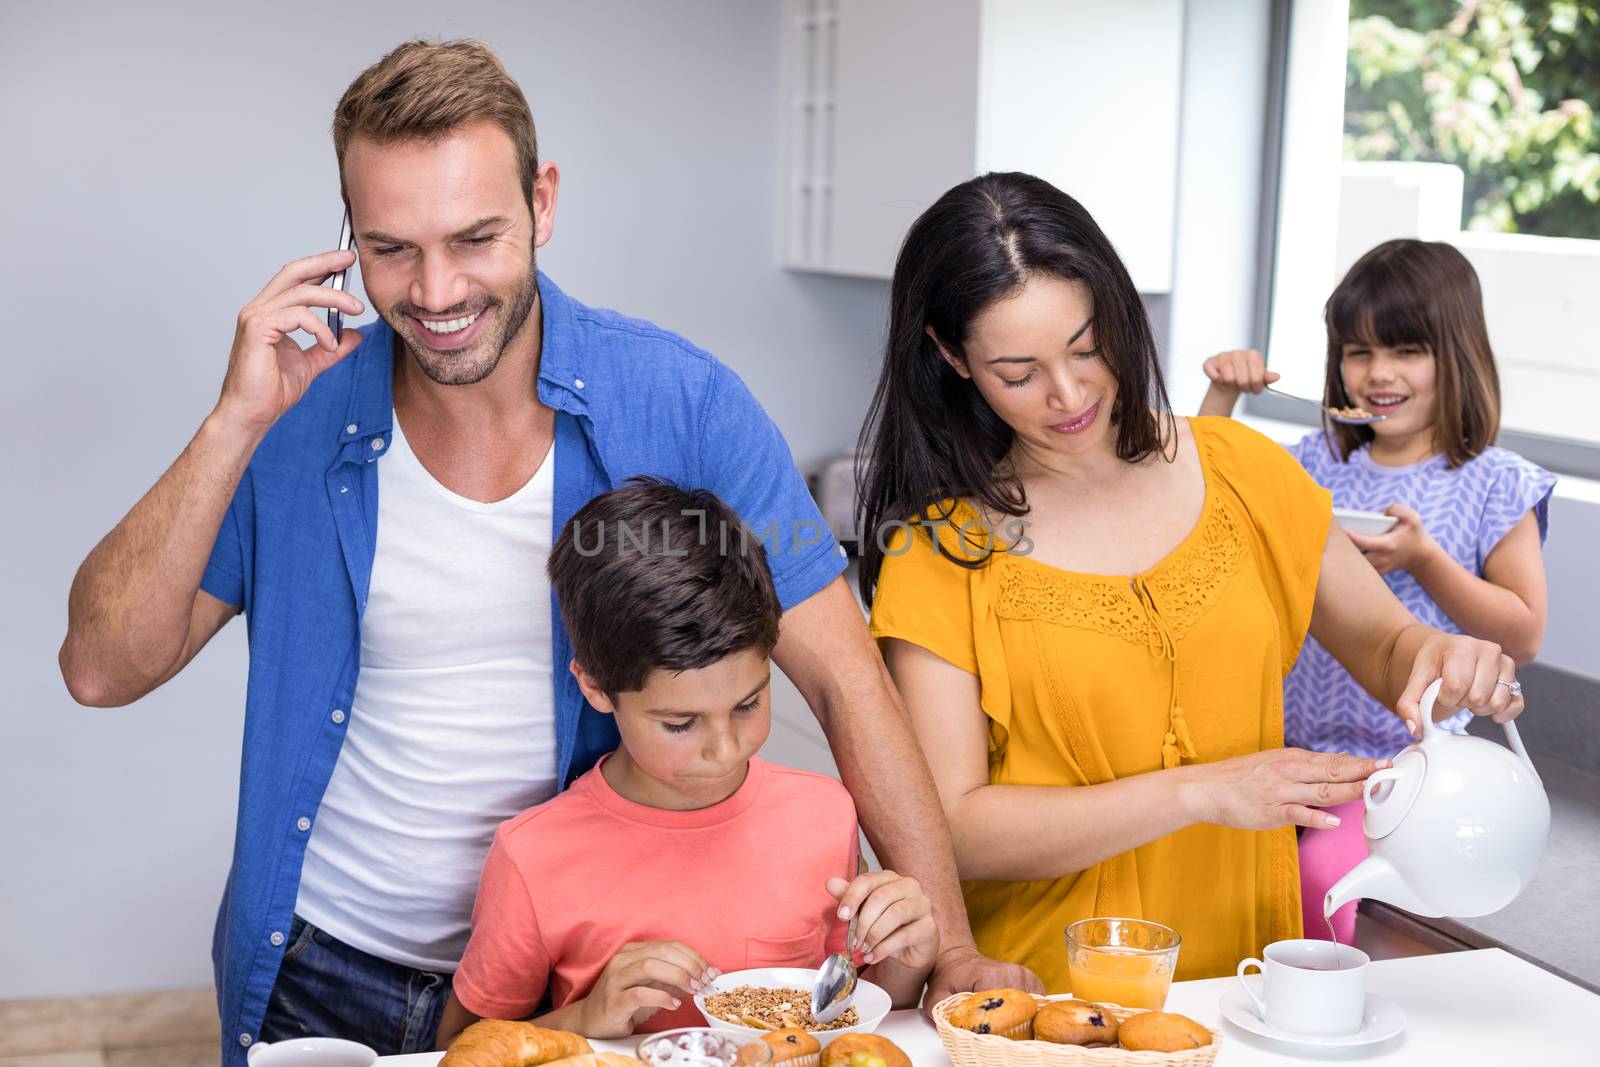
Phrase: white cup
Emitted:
{"points": [[310, 1052], [1309, 987]]}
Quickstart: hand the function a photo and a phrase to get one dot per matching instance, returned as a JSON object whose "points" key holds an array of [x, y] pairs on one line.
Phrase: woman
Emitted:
{"points": [[1099, 692]]}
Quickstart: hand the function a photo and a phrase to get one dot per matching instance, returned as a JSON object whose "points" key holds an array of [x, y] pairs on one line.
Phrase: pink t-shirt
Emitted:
{"points": [[568, 883]]}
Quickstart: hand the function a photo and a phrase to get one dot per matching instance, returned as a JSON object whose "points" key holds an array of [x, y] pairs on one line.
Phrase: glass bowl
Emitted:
{"points": [[698, 1046]]}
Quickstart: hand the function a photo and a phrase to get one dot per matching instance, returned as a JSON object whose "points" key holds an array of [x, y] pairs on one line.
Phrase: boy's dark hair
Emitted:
{"points": [[653, 576]]}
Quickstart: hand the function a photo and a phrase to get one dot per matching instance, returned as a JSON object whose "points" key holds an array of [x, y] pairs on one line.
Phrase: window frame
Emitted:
{"points": [[1562, 455]]}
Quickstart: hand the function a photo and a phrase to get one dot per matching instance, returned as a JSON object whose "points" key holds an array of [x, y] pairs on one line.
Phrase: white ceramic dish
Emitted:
{"points": [[1366, 523], [1380, 1020], [871, 1002]]}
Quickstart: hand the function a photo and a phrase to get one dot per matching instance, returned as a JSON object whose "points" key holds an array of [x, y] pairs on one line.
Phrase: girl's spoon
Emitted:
{"points": [[1356, 416]]}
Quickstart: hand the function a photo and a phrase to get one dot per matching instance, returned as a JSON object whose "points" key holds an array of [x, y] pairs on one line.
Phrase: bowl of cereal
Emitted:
{"points": [[764, 999]]}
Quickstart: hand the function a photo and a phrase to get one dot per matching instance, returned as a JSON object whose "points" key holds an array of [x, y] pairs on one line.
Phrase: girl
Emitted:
{"points": [[1099, 698], [1407, 340]]}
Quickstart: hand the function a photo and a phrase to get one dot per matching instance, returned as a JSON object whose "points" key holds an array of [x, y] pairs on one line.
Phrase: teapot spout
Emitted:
{"points": [[1374, 878]]}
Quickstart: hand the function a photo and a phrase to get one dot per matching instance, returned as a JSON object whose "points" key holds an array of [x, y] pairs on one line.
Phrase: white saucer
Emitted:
{"points": [[1381, 1019]]}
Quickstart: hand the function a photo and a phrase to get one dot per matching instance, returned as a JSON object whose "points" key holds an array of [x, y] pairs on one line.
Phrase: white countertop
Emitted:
{"points": [[1462, 1009]]}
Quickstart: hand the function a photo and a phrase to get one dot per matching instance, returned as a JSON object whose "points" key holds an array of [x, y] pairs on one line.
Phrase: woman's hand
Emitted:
{"points": [[1402, 548], [1475, 674], [896, 920], [1278, 787]]}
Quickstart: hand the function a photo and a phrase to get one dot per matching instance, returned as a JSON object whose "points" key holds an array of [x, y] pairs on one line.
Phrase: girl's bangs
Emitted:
{"points": [[1380, 307]]}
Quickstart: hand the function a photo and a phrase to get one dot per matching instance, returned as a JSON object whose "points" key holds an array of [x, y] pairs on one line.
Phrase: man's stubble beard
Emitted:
{"points": [[449, 368]]}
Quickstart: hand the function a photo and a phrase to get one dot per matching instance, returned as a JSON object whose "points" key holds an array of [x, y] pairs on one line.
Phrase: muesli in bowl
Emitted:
{"points": [[764, 999]]}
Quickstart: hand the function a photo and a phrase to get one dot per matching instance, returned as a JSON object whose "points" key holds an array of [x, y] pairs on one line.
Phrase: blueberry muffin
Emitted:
{"points": [[1006, 1012], [1075, 1022], [795, 1048], [847, 1050], [1162, 1031]]}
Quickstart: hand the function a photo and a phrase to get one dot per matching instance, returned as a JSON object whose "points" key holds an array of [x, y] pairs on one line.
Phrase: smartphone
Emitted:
{"points": [[347, 241]]}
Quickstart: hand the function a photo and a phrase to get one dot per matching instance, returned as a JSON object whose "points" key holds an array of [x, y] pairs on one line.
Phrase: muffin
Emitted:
{"points": [[794, 1047], [1162, 1031], [1006, 1012], [843, 1047], [1075, 1022]]}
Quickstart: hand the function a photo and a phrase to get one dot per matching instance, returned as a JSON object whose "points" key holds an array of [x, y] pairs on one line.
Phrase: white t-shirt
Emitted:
{"points": [[452, 728]]}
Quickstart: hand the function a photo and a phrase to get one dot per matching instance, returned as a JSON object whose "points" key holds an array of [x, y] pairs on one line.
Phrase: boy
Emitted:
{"points": [[681, 855]]}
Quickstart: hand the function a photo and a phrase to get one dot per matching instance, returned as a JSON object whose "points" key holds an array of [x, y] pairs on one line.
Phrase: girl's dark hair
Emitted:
{"points": [[652, 576], [1423, 293], [929, 435]]}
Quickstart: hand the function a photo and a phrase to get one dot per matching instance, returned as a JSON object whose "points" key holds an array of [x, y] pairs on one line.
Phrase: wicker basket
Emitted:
{"points": [[988, 1050]]}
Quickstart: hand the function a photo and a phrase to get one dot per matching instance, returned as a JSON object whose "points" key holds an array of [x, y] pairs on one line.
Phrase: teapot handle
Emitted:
{"points": [[1515, 740], [1433, 730]]}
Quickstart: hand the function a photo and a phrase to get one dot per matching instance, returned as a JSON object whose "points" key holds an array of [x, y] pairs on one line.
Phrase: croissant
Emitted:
{"points": [[598, 1059], [498, 1043]]}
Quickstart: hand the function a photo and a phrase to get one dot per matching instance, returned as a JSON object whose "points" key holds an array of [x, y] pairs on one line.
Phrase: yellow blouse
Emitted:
{"points": [[1088, 678]]}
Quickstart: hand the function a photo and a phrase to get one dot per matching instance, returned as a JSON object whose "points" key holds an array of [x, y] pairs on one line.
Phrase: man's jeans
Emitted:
{"points": [[325, 988]]}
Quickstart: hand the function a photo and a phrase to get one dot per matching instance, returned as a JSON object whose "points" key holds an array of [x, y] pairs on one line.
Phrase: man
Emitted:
{"points": [[408, 685]]}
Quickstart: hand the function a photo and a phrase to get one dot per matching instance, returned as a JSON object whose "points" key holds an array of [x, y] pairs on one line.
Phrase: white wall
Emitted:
{"points": [[1114, 146], [1308, 189], [1224, 93], [162, 161], [1550, 359], [1572, 634]]}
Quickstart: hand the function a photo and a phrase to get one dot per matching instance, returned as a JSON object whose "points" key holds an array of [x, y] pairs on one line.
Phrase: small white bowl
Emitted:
{"points": [[1366, 523], [872, 1003]]}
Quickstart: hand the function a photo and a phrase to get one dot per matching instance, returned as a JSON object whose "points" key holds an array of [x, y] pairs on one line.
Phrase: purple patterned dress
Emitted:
{"points": [[1467, 510]]}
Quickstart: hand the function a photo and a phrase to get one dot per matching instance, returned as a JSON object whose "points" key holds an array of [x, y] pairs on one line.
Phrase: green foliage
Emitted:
{"points": [[1506, 91]]}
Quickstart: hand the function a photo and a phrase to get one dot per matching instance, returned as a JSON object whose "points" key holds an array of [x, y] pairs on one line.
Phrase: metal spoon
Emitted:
{"points": [[835, 987], [1348, 420], [836, 980]]}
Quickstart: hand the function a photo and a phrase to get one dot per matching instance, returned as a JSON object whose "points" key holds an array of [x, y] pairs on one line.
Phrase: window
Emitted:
{"points": [[1467, 121]]}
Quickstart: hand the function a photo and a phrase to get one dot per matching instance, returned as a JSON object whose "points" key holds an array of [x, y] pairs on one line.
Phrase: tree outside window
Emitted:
{"points": [[1505, 91]]}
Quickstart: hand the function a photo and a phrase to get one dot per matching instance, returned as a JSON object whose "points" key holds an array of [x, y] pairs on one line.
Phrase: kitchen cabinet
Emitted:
{"points": [[888, 103]]}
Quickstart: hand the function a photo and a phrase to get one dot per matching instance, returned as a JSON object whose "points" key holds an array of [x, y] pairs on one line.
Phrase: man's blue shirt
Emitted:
{"points": [[295, 552]]}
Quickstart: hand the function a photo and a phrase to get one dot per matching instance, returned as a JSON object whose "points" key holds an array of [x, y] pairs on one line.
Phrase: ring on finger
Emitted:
{"points": [[1515, 687]]}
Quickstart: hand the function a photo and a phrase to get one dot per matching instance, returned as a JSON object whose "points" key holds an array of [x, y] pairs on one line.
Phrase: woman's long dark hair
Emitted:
{"points": [[929, 434]]}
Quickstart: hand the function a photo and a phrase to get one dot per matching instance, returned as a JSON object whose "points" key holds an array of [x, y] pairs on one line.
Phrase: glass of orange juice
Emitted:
{"points": [[1122, 961]]}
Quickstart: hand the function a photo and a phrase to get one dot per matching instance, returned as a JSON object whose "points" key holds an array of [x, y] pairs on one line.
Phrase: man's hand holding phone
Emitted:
{"points": [[268, 371]]}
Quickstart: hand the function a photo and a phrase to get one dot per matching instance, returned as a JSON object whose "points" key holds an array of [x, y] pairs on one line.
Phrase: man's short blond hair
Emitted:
{"points": [[428, 90]]}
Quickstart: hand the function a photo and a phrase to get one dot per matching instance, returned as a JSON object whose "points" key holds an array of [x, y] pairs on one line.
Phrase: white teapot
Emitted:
{"points": [[1456, 827]]}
